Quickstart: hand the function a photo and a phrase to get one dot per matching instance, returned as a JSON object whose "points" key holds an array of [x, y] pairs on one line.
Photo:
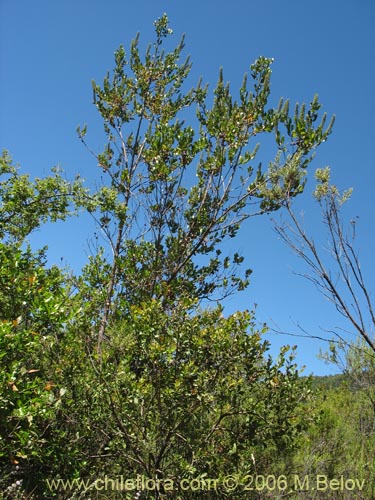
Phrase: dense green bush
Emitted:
{"points": [[131, 368]]}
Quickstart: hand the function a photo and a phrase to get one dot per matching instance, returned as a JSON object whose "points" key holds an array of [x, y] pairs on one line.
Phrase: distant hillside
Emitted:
{"points": [[329, 381]]}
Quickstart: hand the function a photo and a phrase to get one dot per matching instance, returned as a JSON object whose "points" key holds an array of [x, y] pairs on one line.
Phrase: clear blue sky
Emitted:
{"points": [[51, 50]]}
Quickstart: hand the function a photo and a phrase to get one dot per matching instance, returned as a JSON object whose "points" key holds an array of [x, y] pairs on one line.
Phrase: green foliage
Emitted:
{"points": [[326, 192], [176, 390], [26, 204], [174, 192], [176, 396], [34, 312], [124, 369], [340, 443]]}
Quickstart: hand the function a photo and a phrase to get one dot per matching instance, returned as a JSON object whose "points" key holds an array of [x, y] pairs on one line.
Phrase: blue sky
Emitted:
{"points": [[50, 51]]}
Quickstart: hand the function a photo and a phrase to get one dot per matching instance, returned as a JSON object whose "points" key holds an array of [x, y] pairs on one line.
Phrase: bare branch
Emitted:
{"points": [[352, 300]]}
